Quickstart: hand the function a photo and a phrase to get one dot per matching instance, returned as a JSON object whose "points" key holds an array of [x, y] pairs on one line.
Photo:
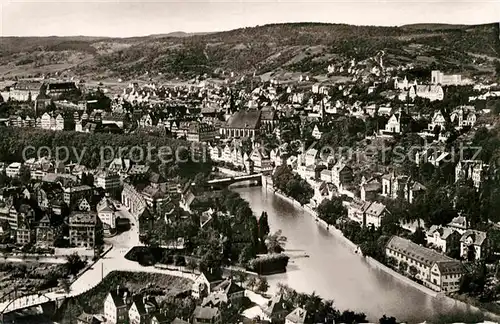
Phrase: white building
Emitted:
{"points": [[107, 180], [474, 245], [442, 238], [437, 271], [438, 77], [471, 169], [13, 170], [437, 121], [106, 212], [45, 121], [393, 126]]}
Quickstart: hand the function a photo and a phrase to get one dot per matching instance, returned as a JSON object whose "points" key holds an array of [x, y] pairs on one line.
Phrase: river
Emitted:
{"points": [[334, 271]]}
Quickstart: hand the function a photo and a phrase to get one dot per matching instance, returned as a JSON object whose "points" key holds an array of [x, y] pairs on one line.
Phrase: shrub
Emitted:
{"points": [[270, 263]]}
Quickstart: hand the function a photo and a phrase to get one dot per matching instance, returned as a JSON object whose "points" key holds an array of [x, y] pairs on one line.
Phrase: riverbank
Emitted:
{"points": [[379, 266], [354, 248]]}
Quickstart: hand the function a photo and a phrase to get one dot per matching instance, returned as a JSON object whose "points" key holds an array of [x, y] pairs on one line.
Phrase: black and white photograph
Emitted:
{"points": [[249, 161]]}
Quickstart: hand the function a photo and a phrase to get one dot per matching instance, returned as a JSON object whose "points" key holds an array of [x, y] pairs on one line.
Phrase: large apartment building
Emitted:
{"points": [[436, 271], [84, 229]]}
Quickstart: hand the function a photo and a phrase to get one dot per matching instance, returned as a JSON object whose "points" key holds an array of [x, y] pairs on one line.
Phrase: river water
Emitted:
{"points": [[334, 271]]}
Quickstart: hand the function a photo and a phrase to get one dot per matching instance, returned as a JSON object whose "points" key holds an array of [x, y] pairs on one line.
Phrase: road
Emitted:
{"points": [[114, 260]]}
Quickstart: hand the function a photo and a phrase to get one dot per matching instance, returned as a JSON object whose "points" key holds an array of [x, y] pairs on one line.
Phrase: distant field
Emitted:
{"points": [[305, 47]]}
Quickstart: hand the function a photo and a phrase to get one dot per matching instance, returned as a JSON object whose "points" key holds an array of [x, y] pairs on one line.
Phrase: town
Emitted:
{"points": [[397, 162]]}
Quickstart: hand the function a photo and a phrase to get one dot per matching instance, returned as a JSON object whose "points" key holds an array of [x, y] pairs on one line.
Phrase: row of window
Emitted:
{"points": [[410, 260]]}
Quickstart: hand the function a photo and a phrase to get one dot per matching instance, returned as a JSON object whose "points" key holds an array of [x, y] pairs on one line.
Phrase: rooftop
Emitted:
{"points": [[415, 251], [244, 119], [205, 312]]}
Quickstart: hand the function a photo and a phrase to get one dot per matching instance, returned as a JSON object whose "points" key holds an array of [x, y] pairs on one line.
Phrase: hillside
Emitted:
{"points": [[300, 47]]}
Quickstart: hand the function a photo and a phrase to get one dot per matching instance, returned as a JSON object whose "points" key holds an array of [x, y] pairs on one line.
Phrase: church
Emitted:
{"points": [[243, 123]]}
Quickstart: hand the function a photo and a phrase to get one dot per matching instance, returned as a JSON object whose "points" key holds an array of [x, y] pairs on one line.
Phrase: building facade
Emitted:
{"points": [[84, 229], [435, 270]]}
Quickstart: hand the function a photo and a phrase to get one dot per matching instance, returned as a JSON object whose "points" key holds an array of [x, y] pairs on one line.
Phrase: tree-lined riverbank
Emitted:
{"points": [[334, 271]]}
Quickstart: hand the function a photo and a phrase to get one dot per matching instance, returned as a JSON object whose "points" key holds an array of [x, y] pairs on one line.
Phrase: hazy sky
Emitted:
{"points": [[133, 18]]}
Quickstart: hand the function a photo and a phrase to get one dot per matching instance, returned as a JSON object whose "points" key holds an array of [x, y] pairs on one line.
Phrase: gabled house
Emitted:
{"points": [[83, 205], [106, 211], [367, 213], [141, 309], [232, 290], [471, 169], [277, 157], [394, 125], [204, 284], [401, 187], [438, 120], [45, 233], [179, 321], [442, 238], [374, 214], [261, 160], [310, 157], [474, 245], [317, 132], [342, 174], [297, 316], [116, 306], [215, 152], [159, 318], [276, 309], [206, 315], [464, 116], [446, 275], [459, 224], [369, 189], [25, 233]]}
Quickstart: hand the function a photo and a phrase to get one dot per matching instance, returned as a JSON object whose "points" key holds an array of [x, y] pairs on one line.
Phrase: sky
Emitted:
{"points": [[120, 18]]}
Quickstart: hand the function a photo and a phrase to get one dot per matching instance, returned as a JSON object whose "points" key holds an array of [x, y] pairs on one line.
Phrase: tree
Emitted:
{"points": [[263, 225], [66, 286], [331, 210], [241, 276], [209, 249], [348, 316], [245, 255], [262, 285], [87, 179], [251, 282], [275, 243], [419, 237], [413, 271], [74, 263], [24, 174], [4, 179], [387, 320], [403, 266], [292, 184], [191, 264], [200, 179], [391, 261]]}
